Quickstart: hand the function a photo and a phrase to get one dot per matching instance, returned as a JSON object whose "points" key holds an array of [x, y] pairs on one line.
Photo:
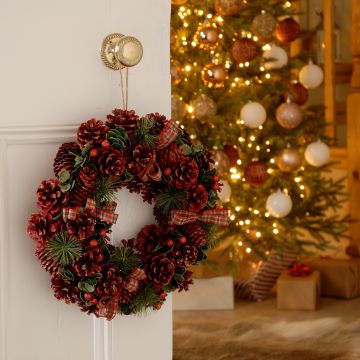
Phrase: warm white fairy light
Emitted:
{"points": [[233, 170], [237, 208], [247, 64], [247, 221], [266, 47], [241, 65], [241, 222], [258, 148], [190, 109], [267, 214], [268, 76], [241, 139], [297, 179], [240, 243], [232, 217], [248, 250], [187, 68], [238, 162], [258, 234], [272, 161], [252, 138], [256, 212], [275, 231]]}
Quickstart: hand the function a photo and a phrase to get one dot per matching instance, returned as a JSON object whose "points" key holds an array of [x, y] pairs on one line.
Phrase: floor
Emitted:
{"points": [[260, 331]]}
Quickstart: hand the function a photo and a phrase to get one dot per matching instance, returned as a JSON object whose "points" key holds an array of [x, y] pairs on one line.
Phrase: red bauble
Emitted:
{"points": [[287, 30], [227, 7], [232, 153], [300, 94], [244, 50], [256, 173], [182, 240]]}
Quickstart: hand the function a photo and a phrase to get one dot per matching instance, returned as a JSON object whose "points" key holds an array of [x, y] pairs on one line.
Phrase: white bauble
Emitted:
{"points": [[253, 115], [311, 76], [225, 193], [279, 204], [317, 153], [278, 57]]}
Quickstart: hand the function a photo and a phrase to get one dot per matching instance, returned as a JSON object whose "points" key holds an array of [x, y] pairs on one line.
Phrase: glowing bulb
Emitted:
{"points": [[272, 161], [232, 217], [237, 208], [248, 250], [258, 234], [187, 67], [241, 222], [266, 47], [275, 231], [238, 162], [233, 170], [190, 109], [252, 137], [240, 243], [297, 179], [256, 212], [268, 76], [247, 222]]}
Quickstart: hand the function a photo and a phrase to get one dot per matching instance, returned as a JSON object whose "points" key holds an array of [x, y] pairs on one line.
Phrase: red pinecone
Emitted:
{"points": [[83, 225], [46, 261], [85, 185], [183, 255], [41, 227], [195, 234], [205, 161], [143, 159], [160, 122], [160, 270], [111, 282], [149, 237], [50, 198], [127, 119], [184, 286], [186, 174], [64, 160], [170, 156], [92, 132], [111, 163], [65, 289], [197, 197], [89, 263]]}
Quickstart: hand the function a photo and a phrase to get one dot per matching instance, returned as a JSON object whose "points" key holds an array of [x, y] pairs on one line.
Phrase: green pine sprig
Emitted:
{"points": [[125, 257], [82, 159], [143, 134], [105, 190], [145, 299], [118, 138], [173, 199], [64, 249]]}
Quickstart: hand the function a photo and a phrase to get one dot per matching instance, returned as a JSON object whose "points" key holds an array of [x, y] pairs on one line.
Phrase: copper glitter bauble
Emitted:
{"points": [[178, 107], [297, 94], [207, 36], [178, 2], [227, 7], [289, 115], [263, 25], [222, 162], [204, 107], [289, 160], [244, 50], [287, 30], [175, 72], [214, 75], [232, 154], [255, 173]]}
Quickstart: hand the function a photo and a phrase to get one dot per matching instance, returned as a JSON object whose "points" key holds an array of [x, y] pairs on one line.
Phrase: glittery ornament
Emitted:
{"points": [[311, 76], [255, 173], [289, 115], [297, 94], [207, 36], [204, 107], [279, 204], [214, 75], [225, 193], [232, 153], [317, 153], [277, 58], [244, 50], [175, 72], [289, 160], [264, 25], [227, 7], [287, 30], [222, 162], [178, 2], [178, 107], [253, 114]]}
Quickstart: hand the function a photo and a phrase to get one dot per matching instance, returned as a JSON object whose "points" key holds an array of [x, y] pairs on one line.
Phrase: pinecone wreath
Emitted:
{"points": [[85, 185], [65, 157]]}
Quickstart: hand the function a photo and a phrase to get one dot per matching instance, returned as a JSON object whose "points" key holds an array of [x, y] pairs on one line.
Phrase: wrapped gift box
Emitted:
{"points": [[298, 293], [340, 278]]}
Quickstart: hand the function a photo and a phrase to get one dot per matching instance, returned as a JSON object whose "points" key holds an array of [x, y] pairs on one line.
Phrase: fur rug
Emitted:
{"points": [[327, 338]]}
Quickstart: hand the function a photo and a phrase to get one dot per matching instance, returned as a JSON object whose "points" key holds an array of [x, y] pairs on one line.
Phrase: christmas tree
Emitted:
{"points": [[241, 91]]}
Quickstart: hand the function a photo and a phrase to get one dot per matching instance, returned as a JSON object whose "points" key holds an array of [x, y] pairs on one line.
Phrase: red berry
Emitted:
{"points": [[182, 240], [167, 171], [169, 242], [100, 258], [163, 295], [216, 178], [93, 301], [216, 186], [102, 232], [93, 243], [94, 152], [105, 143], [88, 296]]}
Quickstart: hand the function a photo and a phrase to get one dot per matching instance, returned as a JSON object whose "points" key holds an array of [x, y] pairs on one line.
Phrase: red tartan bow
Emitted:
{"points": [[134, 279], [108, 307], [214, 216], [168, 134], [300, 270], [104, 213]]}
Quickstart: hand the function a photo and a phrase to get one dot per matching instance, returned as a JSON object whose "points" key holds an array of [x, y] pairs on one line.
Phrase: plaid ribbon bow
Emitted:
{"points": [[168, 134], [104, 213], [134, 279], [108, 307], [214, 216]]}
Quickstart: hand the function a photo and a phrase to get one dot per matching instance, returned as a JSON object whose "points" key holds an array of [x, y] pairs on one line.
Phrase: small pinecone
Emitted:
{"points": [[82, 227], [46, 261], [126, 296], [50, 198], [92, 132], [184, 286], [160, 270], [170, 156], [143, 159], [41, 227], [110, 284], [85, 185], [149, 237], [111, 163], [195, 234], [184, 255], [205, 161], [161, 219], [160, 123], [63, 159], [127, 119], [65, 289], [89, 263]]}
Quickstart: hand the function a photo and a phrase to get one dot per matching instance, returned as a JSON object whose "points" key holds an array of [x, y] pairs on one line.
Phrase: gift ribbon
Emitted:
{"points": [[104, 213], [108, 307], [300, 270], [133, 282], [168, 134], [213, 216]]}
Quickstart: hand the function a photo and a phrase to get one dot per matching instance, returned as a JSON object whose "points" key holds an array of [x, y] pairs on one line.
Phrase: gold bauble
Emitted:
{"points": [[204, 107], [264, 25], [207, 36], [227, 7], [175, 72], [222, 162], [178, 107], [289, 160], [214, 75], [178, 2], [289, 115]]}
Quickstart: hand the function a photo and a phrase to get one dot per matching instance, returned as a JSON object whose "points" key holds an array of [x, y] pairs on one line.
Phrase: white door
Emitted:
{"points": [[51, 80]]}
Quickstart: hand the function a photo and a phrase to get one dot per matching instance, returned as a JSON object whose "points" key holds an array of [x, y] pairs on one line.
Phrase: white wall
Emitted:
{"points": [[51, 79]]}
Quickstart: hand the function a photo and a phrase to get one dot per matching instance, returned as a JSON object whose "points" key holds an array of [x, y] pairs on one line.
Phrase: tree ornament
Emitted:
{"points": [[173, 38], [311, 76], [297, 94], [317, 153], [225, 193], [279, 204], [207, 36], [264, 25], [214, 75], [204, 107], [222, 162], [178, 107], [72, 224], [253, 114], [289, 115], [175, 72], [277, 57], [244, 49], [178, 2], [287, 30], [255, 173], [227, 7], [289, 160], [232, 154]]}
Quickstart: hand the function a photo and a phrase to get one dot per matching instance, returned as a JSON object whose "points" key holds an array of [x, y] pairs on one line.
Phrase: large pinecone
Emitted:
{"points": [[82, 227], [89, 263], [184, 285], [149, 237], [143, 159], [64, 159], [85, 185], [46, 261], [127, 119], [170, 156], [160, 270], [183, 255], [160, 122], [50, 198], [92, 132], [186, 174], [197, 198], [65, 289], [111, 163], [41, 227], [110, 284], [195, 234]]}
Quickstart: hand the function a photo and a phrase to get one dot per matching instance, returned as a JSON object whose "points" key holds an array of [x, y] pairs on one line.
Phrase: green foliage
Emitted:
{"points": [[63, 248], [66, 274], [89, 285], [105, 190], [82, 159], [66, 181], [125, 257], [144, 135], [118, 138], [173, 199], [147, 298]]}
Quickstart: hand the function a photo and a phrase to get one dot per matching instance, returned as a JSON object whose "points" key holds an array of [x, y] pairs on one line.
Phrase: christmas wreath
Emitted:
{"points": [[151, 156]]}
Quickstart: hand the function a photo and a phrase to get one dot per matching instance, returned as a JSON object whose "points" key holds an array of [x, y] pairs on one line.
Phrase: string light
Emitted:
{"points": [[248, 250]]}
